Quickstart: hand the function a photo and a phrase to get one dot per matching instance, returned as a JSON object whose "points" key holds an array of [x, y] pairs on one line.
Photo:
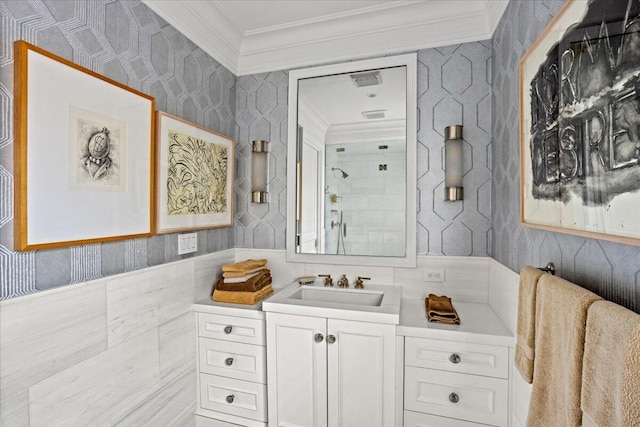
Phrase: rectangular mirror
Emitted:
{"points": [[351, 164]]}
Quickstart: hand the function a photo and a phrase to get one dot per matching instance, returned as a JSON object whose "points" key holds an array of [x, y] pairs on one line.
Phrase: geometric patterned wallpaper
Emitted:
{"points": [[454, 85], [261, 114], [127, 42], [474, 84], [609, 269]]}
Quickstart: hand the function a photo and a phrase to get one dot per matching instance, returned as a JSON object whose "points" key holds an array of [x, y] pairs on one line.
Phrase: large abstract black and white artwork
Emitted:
{"points": [[580, 119]]}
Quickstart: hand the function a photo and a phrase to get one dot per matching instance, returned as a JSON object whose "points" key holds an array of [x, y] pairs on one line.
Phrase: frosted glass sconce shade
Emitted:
{"points": [[259, 172], [453, 163]]}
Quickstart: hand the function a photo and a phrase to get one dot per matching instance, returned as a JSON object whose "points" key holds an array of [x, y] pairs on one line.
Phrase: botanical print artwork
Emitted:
{"points": [[197, 176], [97, 150], [585, 109]]}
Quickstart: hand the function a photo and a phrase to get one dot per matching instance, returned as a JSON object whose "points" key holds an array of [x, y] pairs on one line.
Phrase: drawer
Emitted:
{"points": [[228, 328], [231, 359], [416, 419], [232, 396], [477, 359], [462, 396]]}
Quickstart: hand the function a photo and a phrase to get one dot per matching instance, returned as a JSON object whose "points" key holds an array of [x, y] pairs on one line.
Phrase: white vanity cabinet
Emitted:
{"points": [[232, 371], [455, 375], [329, 372]]}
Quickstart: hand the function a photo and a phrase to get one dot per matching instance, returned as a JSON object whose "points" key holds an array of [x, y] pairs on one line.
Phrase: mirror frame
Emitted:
{"points": [[409, 260]]}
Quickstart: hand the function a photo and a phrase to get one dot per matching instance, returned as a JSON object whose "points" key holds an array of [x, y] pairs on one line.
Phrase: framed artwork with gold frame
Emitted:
{"points": [[84, 153], [195, 176], [580, 123]]}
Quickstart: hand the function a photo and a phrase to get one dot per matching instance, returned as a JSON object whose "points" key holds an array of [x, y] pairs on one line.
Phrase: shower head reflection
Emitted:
{"points": [[344, 174]]}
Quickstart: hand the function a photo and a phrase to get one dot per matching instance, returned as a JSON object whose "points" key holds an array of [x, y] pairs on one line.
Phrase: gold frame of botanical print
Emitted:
{"points": [[194, 175], [83, 156], [566, 185]]}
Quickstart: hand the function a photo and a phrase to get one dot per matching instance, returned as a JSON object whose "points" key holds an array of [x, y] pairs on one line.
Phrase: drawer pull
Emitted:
{"points": [[318, 337], [228, 361], [230, 398], [331, 339], [454, 398], [454, 358], [228, 329]]}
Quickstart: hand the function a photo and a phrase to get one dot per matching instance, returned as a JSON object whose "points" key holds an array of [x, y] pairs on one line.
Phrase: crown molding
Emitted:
{"points": [[495, 10], [404, 26], [349, 133], [204, 24], [313, 124]]}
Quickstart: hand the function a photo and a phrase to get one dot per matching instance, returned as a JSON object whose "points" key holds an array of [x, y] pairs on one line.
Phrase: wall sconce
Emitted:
{"points": [[259, 171], [453, 163]]}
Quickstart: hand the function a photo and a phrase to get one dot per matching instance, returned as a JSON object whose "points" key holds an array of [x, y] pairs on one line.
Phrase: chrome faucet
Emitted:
{"points": [[343, 282], [360, 282], [328, 281]]}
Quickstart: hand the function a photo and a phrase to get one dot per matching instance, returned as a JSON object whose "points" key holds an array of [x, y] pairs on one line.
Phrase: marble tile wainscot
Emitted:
{"points": [[124, 346], [116, 351]]}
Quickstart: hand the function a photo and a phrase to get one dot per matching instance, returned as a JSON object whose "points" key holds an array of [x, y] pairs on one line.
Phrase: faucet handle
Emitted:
{"points": [[328, 281], [343, 282], [360, 282]]}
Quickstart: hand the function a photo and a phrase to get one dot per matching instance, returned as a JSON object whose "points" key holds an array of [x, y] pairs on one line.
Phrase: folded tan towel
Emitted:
{"points": [[440, 310], [244, 266], [241, 274], [561, 316], [252, 285], [525, 330], [611, 366], [249, 298]]}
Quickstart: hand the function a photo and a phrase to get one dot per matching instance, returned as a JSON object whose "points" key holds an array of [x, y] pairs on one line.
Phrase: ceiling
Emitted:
{"points": [[255, 36], [338, 101]]}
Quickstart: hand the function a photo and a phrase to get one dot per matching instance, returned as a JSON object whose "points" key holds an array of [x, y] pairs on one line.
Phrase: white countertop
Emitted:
{"points": [[387, 312], [479, 324]]}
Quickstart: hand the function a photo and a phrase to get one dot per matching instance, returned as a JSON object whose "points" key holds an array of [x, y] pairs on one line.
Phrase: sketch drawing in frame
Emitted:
{"points": [[84, 154], [195, 176], [580, 123], [98, 150]]}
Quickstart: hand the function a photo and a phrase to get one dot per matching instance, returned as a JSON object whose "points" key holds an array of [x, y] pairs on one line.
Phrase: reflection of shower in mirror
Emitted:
{"points": [[344, 174], [342, 232]]}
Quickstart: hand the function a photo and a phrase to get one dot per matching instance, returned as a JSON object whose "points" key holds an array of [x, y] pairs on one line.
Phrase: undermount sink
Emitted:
{"points": [[340, 296]]}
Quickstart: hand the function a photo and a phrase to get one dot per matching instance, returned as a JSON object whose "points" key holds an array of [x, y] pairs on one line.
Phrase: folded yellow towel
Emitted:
{"points": [[244, 266], [249, 298], [611, 371], [440, 310], [525, 331], [561, 316]]}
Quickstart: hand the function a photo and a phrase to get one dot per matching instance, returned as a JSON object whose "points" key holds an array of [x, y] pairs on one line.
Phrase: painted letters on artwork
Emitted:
{"points": [[585, 109]]}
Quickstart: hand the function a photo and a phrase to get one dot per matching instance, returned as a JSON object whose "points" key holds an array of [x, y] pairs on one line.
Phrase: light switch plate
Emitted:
{"points": [[187, 243]]}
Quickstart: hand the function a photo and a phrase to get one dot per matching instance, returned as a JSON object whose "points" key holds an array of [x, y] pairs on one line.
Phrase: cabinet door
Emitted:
{"points": [[361, 374], [296, 371]]}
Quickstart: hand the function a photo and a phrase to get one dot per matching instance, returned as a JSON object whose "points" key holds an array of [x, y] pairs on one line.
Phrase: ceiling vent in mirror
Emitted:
{"points": [[374, 114], [369, 78]]}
